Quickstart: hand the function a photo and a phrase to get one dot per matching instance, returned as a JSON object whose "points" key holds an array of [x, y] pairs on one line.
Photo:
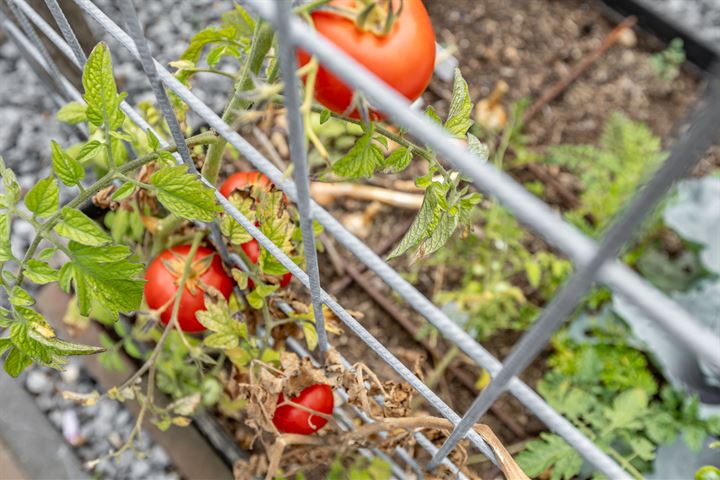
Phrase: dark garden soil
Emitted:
{"points": [[529, 44]]}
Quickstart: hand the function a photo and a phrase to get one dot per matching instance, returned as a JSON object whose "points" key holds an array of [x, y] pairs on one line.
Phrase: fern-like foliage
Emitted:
{"points": [[605, 387], [610, 172]]}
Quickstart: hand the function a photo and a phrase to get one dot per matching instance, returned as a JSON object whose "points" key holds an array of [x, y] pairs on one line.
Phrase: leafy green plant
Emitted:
{"points": [[610, 172], [102, 273], [360, 469], [503, 283], [666, 64], [604, 386]]}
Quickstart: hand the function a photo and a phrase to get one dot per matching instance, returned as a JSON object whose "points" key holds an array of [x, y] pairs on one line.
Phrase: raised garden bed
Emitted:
{"points": [[494, 42]]}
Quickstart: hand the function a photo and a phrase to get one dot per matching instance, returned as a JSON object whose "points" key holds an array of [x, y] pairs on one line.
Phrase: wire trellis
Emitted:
{"points": [[593, 262]]}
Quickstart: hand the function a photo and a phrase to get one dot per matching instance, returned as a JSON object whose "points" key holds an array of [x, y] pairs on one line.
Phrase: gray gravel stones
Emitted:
{"points": [[96, 429], [701, 17]]}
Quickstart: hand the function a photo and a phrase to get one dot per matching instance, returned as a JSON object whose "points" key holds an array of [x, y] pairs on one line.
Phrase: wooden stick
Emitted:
{"points": [[326, 193], [579, 69]]}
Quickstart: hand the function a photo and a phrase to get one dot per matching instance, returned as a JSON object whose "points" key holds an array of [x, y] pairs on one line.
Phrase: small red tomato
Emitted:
{"points": [[163, 277], [404, 58], [252, 250], [242, 180], [290, 419]]}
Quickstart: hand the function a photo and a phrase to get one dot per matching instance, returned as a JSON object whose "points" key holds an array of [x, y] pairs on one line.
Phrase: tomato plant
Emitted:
{"points": [[291, 419], [163, 276], [397, 47], [244, 181]]}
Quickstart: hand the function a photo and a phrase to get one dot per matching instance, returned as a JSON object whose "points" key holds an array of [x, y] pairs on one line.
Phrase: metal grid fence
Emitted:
{"points": [[593, 262]]}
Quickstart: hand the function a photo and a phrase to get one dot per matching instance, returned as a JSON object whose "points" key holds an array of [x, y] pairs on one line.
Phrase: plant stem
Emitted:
{"points": [[210, 70], [137, 183], [261, 43], [310, 6]]}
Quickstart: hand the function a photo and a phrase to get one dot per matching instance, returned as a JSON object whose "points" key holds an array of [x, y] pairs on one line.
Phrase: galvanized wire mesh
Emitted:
{"points": [[594, 262]]}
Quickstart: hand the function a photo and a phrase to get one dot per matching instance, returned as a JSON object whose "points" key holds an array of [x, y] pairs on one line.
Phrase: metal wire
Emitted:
{"points": [[298, 154], [35, 60], [66, 31], [127, 9], [685, 154], [33, 37]]}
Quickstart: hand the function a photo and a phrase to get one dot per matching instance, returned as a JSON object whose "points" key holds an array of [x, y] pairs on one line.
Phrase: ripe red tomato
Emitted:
{"points": [[252, 250], [242, 180], [404, 58], [164, 274], [290, 419]]}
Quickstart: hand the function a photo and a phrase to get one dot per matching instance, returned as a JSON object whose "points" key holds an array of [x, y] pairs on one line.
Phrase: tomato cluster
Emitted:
{"points": [[165, 272], [242, 181]]}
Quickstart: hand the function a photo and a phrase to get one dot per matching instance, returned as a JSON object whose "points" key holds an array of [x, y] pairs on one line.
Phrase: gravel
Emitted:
{"points": [[701, 17], [96, 429]]}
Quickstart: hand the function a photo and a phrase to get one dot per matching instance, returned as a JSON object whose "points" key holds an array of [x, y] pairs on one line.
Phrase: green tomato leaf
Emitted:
{"points": [[474, 145], [398, 160], [67, 169], [324, 115], [123, 192], [441, 233], [433, 115], [550, 451], [458, 121], [217, 53], [78, 227], [43, 198], [72, 113], [62, 347], [16, 362], [19, 297], [12, 187], [311, 336], [362, 160], [103, 276], [184, 194], [5, 245], [90, 150], [152, 140], [101, 95], [423, 225], [40, 272], [232, 229]]}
